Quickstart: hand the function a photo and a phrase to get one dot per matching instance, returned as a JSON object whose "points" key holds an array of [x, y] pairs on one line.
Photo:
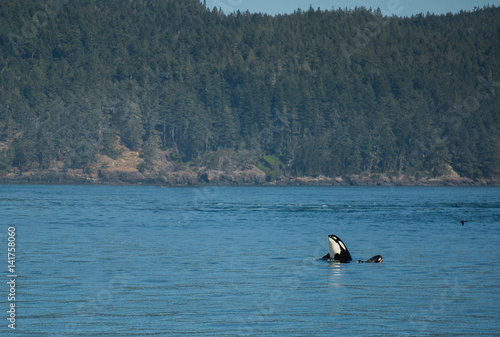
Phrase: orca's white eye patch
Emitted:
{"points": [[339, 242]]}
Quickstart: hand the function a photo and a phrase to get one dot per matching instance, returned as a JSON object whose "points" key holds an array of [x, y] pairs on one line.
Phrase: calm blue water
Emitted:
{"points": [[231, 261]]}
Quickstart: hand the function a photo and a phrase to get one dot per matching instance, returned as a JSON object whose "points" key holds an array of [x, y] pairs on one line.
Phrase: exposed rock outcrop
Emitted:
{"points": [[251, 176], [129, 168]]}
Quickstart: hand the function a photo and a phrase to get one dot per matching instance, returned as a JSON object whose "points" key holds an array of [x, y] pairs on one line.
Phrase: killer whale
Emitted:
{"points": [[375, 259], [338, 252]]}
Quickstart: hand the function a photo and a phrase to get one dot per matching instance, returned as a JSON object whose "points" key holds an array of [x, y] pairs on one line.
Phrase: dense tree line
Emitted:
{"points": [[315, 92]]}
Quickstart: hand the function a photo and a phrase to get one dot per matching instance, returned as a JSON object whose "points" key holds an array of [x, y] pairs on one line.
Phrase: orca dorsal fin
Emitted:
{"points": [[338, 249]]}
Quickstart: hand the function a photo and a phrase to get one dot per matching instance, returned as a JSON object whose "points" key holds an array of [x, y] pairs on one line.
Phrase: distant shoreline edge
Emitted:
{"points": [[249, 177]]}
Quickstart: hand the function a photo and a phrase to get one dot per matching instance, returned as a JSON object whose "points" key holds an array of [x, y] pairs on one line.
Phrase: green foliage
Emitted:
{"points": [[24, 154], [5, 163], [271, 166], [332, 92], [142, 167], [213, 163]]}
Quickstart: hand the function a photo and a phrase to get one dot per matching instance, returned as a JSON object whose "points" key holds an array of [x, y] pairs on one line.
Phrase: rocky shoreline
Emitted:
{"points": [[242, 177], [226, 168]]}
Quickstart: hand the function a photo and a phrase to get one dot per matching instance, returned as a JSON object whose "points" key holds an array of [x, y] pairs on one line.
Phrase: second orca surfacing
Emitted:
{"points": [[338, 252]]}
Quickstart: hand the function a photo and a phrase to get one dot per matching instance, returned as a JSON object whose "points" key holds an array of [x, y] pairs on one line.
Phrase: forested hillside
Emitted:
{"points": [[315, 92]]}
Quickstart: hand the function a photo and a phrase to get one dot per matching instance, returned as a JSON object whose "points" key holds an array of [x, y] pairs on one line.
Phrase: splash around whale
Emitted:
{"points": [[338, 252]]}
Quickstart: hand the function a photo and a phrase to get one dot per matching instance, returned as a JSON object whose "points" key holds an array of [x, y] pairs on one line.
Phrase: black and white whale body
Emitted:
{"points": [[339, 252], [375, 259]]}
